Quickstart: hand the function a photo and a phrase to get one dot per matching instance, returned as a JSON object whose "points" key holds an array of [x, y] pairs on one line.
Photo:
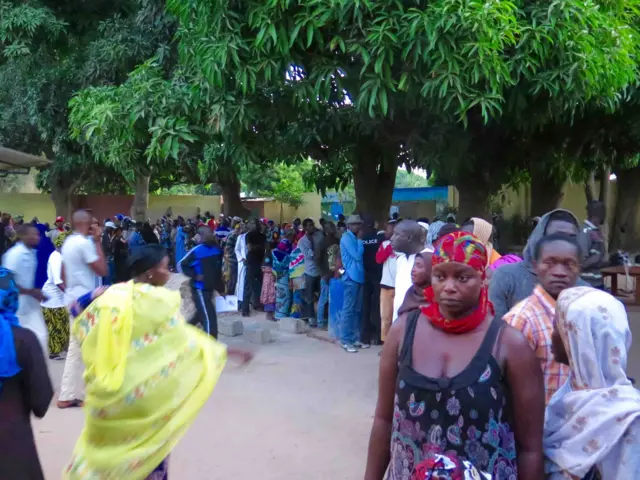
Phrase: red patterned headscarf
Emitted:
{"points": [[459, 247]]}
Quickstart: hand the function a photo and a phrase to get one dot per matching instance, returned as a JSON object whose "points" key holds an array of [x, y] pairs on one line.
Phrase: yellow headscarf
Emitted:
{"points": [[147, 375]]}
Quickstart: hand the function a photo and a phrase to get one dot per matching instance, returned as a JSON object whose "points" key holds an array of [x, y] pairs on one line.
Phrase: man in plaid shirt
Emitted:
{"points": [[557, 265]]}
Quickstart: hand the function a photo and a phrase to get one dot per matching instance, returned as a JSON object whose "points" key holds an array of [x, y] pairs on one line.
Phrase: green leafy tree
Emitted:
{"points": [[405, 179], [288, 189], [362, 87], [48, 51]]}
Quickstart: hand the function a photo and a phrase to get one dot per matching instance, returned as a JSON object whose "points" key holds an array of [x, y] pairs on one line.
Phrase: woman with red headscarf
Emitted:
{"points": [[456, 381]]}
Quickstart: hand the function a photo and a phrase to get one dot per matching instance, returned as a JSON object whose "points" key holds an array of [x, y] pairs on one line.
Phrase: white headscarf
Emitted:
{"points": [[427, 247], [434, 230], [594, 419]]}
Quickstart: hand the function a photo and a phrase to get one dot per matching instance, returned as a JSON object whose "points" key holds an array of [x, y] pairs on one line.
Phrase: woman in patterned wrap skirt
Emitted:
{"points": [[54, 308]]}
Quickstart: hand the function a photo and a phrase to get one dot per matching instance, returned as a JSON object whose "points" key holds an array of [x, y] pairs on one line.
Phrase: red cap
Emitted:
{"points": [[59, 219]]}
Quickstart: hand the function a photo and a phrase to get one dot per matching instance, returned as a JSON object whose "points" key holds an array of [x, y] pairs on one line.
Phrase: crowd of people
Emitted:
{"points": [[493, 366]]}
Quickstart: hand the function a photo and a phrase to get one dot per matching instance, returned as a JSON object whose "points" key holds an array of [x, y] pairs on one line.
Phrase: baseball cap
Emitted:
{"points": [[59, 219], [353, 219]]}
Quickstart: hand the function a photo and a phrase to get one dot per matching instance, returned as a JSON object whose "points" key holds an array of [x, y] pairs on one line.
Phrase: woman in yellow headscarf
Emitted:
{"points": [[147, 375], [483, 230]]}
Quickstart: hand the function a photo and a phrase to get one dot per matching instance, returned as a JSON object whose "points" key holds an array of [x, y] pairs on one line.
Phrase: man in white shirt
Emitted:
{"points": [[83, 264], [408, 238], [387, 257], [22, 261]]}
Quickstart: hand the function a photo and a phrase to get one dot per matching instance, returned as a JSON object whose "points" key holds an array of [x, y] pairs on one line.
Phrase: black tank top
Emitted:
{"points": [[464, 416]]}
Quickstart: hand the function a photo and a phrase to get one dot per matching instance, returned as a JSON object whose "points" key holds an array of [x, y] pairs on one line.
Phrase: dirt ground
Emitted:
{"points": [[301, 410]]}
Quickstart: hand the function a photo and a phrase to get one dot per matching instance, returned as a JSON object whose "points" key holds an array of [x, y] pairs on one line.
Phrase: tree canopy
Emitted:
{"points": [[48, 51], [363, 86], [206, 91]]}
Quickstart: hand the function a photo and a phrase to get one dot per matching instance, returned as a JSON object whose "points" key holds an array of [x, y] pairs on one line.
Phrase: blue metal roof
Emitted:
{"points": [[420, 193], [438, 194]]}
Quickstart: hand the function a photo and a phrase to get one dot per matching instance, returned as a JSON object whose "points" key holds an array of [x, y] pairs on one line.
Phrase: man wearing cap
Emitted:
{"points": [[352, 249], [59, 228]]}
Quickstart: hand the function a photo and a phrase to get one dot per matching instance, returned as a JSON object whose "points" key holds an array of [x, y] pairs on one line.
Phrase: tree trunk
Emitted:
{"points": [[605, 197], [605, 185], [546, 191], [374, 180], [230, 185], [590, 187], [141, 198], [62, 189], [473, 200], [624, 232]]}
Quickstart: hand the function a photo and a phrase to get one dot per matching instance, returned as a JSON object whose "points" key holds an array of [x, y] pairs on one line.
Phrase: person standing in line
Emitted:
{"points": [[408, 240], [592, 424], [308, 244], [135, 240], [297, 226], [557, 266], [256, 242], [268, 292], [223, 230], [58, 228], [180, 241], [203, 265], [456, 380], [25, 388], [280, 265], [240, 251], [54, 308], [120, 251], [484, 231], [107, 248], [351, 250], [21, 259], [84, 263], [434, 232], [421, 279], [370, 321], [386, 257], [513, 283], [329, 240], [230, 260], [149, 235], [594, 250]]}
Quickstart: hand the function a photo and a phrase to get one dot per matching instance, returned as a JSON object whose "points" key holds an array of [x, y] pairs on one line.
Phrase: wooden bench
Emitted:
{"points": [[613, 272]]}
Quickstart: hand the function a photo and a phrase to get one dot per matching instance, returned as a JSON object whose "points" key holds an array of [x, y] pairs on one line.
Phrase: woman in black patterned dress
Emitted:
{"points": [[456, 381]]}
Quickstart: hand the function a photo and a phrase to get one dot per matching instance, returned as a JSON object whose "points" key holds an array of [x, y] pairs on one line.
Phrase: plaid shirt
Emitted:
{"points": [[533, 316]]}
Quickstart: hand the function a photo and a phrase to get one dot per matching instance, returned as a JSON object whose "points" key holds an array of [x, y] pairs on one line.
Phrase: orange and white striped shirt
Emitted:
{"points": [[533, 316]]}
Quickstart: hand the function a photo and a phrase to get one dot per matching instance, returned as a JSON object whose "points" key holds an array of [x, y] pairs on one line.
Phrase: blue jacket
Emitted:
{"points": [[352, 249], [205, 260], [135, 242]]}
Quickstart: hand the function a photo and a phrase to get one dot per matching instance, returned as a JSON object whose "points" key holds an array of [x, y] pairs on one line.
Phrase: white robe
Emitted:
{"points": [[241, 255], [22, 262]]}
